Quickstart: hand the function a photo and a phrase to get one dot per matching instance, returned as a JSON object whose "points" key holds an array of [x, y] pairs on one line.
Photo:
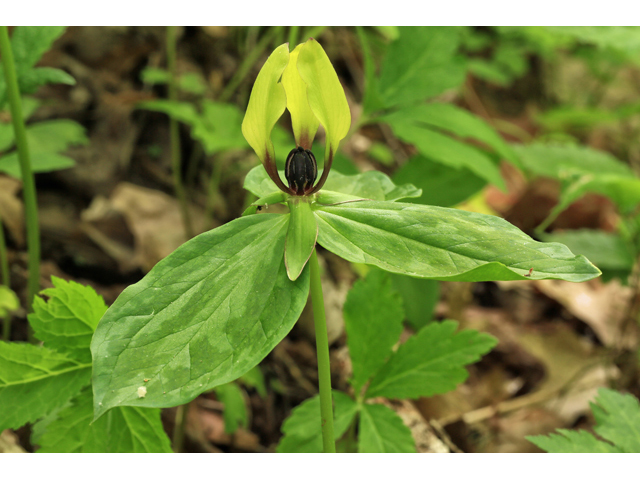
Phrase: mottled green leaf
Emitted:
{"points": [[302, 431], [34, 381], [383, 431], [431, 362], [121, 430], [443, 244], [66, 321], [202, 317], [373, 320]]}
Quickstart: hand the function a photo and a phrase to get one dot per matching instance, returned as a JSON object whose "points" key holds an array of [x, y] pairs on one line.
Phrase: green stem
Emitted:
{"points": [[174, 133], [179, 427], [4, 258], [324, 367], [293, 36], [247, 63], [28, 182]]}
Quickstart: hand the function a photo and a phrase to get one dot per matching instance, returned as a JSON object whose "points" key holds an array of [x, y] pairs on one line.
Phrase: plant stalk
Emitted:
{"points": [[28, 182], [174, 134], [322, 347], [4, 259], [179, 427]]}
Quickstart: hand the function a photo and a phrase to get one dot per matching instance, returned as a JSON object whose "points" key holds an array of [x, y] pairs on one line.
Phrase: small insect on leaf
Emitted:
{"points": [[530, 272]]}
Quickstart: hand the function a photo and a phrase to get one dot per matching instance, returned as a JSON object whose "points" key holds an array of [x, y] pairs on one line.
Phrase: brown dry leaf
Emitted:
{"points": [[152, 217], [11, 209], [600, 305], [9, 443]]}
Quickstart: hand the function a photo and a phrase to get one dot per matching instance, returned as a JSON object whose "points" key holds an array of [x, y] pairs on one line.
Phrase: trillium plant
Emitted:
{"points": [[215, 307]]}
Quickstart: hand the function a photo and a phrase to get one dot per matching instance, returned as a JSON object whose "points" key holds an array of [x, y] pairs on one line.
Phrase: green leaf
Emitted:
{"points": [[304, 122], [266, 105], [443, 149], [155, 76], [181, 111], [383, 431], [570, 441], [202, 317], [325, 93], [40, 163], [301, 237], [606, 250], [556, 161], [67, 320], [254, 379], [421, 64], [431, 362], [235, 411], [192, 82], [419, 297], [34, 381], [454, 120], [218, 129], [371, 185], [30, 43], [441, 185], [618, 418], [443, 244], [121, 430], [302, 431], [8, 301], [373, 320], [30, 80]]}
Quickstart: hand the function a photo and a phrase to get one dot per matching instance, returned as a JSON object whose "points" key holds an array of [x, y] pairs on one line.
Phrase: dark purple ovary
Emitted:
{"points": [[301, 170]]}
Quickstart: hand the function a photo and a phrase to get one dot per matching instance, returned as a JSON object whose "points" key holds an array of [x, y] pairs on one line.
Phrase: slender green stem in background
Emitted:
{"points": [[247, 63], [4, 259], [175, 133], [313, 32], [179, 426], [293, 36], [214, 189], [28, 182], [5, 280], [322, 346]]}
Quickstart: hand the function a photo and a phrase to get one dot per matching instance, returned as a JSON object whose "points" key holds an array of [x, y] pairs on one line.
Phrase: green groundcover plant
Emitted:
{"points": [[214, 308]]}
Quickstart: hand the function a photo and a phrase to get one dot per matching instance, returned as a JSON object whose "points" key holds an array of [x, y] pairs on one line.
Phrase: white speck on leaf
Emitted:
{"points": [[142, 391]]}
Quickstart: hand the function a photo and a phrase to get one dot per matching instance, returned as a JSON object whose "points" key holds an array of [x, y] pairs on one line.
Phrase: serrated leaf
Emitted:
{"points": [[443, 244], [383, 431], [301, 237], [30, 80], [373, 318], [444, 149], [618, 418], [121, 430], [67, 320], [419, 298], [421, 64], [302, 431], [570, 441], [30, 43], [431, 362], [441, 185], [34, 381], [202, 317]]}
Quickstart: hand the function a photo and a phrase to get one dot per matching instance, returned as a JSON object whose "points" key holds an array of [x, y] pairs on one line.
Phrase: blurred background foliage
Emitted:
{"points": [[539, 125]]}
